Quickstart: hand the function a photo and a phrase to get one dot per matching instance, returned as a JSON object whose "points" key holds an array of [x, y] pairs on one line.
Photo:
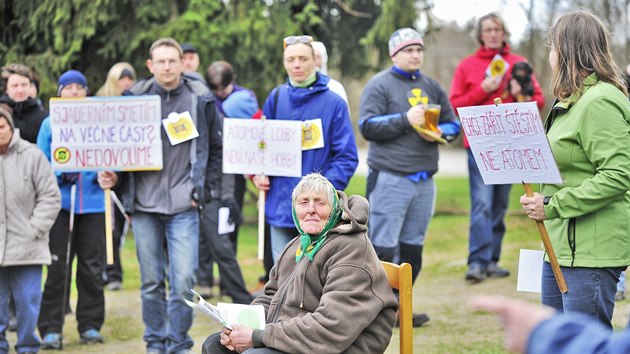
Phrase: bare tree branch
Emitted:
{"points": [[347, 9]]}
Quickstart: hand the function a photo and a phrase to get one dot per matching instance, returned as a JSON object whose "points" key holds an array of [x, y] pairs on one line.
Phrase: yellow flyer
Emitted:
{"points": [[312, 136], [179, 127], [498, 67]]}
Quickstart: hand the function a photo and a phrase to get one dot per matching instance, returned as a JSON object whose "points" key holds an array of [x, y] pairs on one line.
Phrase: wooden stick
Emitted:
{"points": [[261, 225], [562, 285], [109, 241]]}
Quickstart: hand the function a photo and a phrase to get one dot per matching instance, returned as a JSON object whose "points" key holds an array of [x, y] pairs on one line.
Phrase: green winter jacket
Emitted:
{"points": [[588, 217]]}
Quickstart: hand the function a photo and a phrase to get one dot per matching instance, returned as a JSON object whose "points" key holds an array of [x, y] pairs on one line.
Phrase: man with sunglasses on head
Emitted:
{"points": [[401, 158], [306, 97]]}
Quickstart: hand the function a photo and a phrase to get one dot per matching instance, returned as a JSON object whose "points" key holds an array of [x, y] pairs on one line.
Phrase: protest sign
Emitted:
{"points": [[255, 146], [509, 143], [106, 133]]}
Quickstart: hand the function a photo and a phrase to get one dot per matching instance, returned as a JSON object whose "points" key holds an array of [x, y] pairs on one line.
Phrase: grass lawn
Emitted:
{"points": [[440, 290]]}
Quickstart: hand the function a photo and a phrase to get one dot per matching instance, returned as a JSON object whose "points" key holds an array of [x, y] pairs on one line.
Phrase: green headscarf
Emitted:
{"points": [[312, 243]]}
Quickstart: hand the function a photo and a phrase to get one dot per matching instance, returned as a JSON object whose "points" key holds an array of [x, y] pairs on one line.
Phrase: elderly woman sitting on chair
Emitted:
{"points": [[328, 292]]}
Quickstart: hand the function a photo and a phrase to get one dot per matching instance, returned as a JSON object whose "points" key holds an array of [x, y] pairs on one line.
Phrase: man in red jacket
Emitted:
{"points": [[478, 80]]}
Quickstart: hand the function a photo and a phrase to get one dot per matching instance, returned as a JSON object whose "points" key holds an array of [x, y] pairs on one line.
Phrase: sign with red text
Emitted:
{"points": [[106, 133], [254, 146], [509, 143]]}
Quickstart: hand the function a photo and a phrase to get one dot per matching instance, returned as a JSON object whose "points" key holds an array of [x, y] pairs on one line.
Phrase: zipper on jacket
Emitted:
{"points": [[571, 239], [303, 282], [290, 281]]}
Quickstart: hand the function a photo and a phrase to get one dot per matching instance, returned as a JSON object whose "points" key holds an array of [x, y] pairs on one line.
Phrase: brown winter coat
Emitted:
{"points": [[340, 302]]}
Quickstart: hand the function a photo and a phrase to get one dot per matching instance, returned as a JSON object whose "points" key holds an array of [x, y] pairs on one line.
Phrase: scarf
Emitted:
{"points": [[307, 82], [310, 244]]}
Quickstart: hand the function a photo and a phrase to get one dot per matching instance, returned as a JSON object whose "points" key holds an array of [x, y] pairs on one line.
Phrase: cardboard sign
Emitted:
{"points": [[509, 143], [254, 146], [106, 133]]}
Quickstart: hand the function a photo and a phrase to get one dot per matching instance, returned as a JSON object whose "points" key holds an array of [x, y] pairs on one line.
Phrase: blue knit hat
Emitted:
{"points": [[71, 77], [240, 104]]}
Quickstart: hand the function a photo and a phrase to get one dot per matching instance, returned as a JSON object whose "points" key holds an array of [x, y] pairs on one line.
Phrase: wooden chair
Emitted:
{"points": [[399, 277]]}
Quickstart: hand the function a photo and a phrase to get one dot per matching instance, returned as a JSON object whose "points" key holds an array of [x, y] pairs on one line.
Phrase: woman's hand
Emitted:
{"points": [[225, 339], [519, 318], [534, 206], [107, 179], [261, 182], [239, 339]]}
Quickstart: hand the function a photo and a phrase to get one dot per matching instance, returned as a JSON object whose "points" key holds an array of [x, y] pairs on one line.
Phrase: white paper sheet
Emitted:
{"points": [[530, 264], [224, 225]]}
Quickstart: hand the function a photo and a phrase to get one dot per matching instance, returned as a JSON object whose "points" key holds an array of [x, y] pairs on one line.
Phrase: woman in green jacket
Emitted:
{"points": [[589, 132]]}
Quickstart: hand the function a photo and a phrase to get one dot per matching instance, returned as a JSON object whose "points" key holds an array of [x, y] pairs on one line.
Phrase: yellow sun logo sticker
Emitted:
{"points": [[61, 155], [181, 129], [311, 134], [415, 97]]}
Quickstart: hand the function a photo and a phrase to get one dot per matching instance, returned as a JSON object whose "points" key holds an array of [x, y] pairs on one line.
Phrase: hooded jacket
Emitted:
{"points": [[340, 302], [27, 116], [189, 175], [336, 161], [466, 85], [30, 203], [588, 216]]}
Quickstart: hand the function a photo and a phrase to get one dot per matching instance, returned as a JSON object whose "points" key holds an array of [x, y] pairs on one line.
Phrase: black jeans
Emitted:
{"points": [[88, 244], [223, 254]]}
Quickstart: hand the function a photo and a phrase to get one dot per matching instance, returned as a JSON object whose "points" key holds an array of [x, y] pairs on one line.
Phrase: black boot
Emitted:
{"points": [[384, 253], [412, 254]]}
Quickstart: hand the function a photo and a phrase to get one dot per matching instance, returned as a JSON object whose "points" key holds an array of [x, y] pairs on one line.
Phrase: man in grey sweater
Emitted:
{"points": [[403, 156], [163, 204]]}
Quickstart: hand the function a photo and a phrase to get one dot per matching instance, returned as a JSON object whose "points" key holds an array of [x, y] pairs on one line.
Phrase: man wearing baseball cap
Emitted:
{"points": [[401, 157], [190, 62]]}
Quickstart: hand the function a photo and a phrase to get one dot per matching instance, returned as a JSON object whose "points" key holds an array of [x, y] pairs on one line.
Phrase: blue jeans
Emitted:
{"points": [[280, 236], [591, 291], [400, 210], [488, 204], [167, 248], [25, 284]]}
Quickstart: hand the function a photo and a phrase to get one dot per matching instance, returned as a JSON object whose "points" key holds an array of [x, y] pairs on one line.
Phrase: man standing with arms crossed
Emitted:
{"points": [[402, 161], [164, 203]]}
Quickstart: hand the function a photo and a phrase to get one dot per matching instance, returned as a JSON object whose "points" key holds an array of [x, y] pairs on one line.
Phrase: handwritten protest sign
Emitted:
{"points": [[270, 147], [106, 133], [509, 143]]}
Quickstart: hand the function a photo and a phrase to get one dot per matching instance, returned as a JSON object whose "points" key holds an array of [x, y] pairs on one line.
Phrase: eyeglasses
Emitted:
{"points": [[296, 39]]}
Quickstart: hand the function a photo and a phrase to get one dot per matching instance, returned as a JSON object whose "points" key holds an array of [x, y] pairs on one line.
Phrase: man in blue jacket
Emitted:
{"points": [[306, 97], [402, 161]]}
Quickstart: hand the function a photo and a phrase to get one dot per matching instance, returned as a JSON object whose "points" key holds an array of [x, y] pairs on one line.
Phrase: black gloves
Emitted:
{"points": [[235, 211]]}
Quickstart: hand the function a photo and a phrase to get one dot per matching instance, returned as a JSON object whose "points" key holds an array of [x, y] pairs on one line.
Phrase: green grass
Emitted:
{"points": [[440, 291]]}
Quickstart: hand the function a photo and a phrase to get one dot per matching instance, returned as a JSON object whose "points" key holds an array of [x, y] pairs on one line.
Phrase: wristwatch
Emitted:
{"points": [[546, 200]]}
